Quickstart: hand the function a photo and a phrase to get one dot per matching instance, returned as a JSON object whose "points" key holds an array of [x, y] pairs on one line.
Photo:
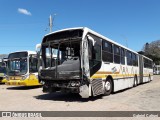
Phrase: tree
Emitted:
{"points": [[152, 50]]}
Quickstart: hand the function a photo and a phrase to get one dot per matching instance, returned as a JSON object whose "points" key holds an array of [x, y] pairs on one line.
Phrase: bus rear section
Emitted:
{"points": [[22, 69], [145, 69]]}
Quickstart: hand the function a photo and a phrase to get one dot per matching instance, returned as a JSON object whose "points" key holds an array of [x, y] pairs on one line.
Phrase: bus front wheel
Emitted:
{"points": [[108, 87]]}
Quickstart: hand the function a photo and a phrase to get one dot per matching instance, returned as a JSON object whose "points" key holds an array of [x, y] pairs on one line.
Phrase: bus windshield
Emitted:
{"points": [[2, 68], [2, 71], [17, 66], [61, 52]]}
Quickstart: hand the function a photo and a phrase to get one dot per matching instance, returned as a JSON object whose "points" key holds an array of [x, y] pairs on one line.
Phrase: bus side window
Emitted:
{"points": [[135, 60], [122, 56], [129, 58], [97, 52], [107, 51], [147, 63], [116, 54]]}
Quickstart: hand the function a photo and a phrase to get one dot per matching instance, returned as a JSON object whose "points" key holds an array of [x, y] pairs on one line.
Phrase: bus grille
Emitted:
{"points": [[97, 87]]}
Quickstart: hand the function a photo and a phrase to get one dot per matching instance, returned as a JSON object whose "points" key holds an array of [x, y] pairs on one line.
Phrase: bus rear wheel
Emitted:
{"points": [[149, 78], [108, 87], [135, 82]]}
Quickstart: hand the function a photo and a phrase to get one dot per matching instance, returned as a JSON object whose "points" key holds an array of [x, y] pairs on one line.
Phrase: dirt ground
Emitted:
{"points": [[145, 97]]}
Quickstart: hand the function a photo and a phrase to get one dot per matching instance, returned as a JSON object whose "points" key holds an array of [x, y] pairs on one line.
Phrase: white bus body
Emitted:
{"points": [[104, 65]]}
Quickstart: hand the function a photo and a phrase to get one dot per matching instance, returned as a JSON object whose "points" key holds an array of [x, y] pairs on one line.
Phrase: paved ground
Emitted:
{"points": [[145, 97]]}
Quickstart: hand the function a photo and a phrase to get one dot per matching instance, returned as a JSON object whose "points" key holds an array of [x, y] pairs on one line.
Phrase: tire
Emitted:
{"points": [[135, 82], [108, 86], [149, 78]]}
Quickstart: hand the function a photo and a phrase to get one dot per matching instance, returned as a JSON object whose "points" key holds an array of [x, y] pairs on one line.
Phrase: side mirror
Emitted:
{"points": [[91, 39], [92, 51], [4, 64], [38, 54]]}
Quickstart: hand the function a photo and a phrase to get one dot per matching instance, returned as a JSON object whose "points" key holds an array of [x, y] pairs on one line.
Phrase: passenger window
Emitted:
{"points": [[122, 56], [135, 60], [116, 54], [129, 58], [107, 51]]}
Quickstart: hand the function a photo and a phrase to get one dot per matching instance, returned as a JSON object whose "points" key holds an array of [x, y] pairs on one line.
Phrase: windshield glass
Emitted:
{"points": [[2, 68], [58, 53], [33, 64], [17, 66]]}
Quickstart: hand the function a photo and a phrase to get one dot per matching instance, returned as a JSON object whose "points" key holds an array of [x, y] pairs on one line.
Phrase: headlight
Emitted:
{"points": [[77, 83], [74, 83], [25, 77], [7, 78], [42, 82], [36, 76]]}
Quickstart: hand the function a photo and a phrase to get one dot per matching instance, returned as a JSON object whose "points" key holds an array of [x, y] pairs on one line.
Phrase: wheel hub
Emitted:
{"points": [[135, 82], [107, 86]]}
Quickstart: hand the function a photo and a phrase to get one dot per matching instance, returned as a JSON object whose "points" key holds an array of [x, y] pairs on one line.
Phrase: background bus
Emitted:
{"points": [[156, 69], [90, 64], [3, 71], [22, 69]]}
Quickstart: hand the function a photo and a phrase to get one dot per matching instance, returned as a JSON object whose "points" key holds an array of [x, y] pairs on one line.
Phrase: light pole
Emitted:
{"points": [[51, 21]]}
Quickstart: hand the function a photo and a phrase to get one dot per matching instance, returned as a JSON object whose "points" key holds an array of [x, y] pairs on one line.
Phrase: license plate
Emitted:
{"points": [[14, 83]]}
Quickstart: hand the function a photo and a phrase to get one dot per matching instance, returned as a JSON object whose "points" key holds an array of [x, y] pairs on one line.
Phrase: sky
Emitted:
{"points": [[132, 23]]}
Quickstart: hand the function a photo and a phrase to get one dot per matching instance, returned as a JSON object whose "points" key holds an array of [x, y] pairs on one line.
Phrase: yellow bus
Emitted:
{"points": [[22, 69], [3, 71]]}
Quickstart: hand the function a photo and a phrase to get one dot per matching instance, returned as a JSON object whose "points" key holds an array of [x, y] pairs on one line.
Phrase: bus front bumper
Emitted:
{"points": [[3, 80], [16, 82], [63, 86]]}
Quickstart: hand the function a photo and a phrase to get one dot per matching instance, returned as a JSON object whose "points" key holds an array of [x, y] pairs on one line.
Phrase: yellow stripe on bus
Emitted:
{"points": [[104, 76]]}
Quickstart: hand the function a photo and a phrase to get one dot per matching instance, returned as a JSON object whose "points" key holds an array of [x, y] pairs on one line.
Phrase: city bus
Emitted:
{"points": [[22, 69], [3, 71], [90, 64]]}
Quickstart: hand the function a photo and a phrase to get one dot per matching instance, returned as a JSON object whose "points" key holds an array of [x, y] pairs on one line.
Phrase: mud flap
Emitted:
{"points": [[84, 91]]}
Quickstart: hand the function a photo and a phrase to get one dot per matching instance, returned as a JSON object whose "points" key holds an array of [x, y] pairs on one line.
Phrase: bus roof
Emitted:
{"points": [[105, 38], [147, 58], [87, 30], [29, 52], [76, 28]]}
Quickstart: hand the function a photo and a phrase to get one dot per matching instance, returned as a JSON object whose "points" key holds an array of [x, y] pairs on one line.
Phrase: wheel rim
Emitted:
{"points": [[135, 82], [149, 78], [107, 86]]}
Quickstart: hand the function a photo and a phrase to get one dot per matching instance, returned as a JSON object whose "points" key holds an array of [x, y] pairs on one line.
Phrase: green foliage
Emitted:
{"points": [[152, 50]]}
